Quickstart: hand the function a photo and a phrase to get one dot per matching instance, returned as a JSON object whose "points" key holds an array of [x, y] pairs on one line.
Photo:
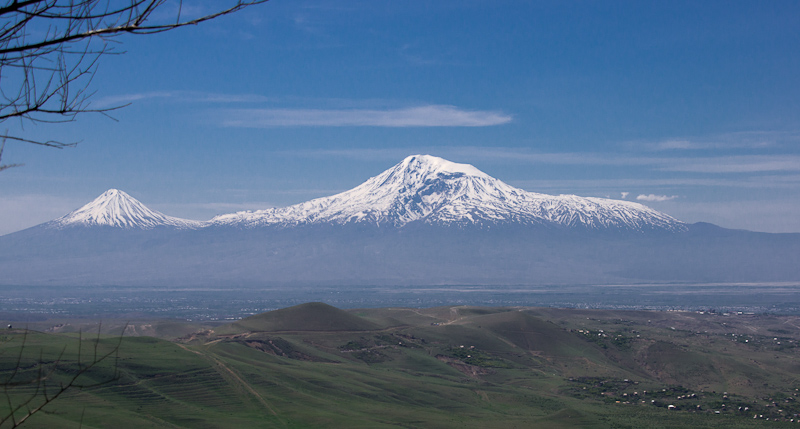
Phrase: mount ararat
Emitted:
{"points": [[424, 221]]}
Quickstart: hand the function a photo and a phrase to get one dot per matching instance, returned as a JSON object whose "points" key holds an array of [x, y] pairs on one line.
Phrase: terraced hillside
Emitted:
{"points": [[317, 366]]}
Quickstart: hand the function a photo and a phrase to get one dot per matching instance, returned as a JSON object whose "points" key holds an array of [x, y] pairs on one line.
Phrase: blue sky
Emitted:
{"points": [[692, 108]]}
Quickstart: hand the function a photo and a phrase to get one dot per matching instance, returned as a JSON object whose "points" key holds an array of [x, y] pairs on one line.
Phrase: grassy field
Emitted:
{"points": [[317, 366]]}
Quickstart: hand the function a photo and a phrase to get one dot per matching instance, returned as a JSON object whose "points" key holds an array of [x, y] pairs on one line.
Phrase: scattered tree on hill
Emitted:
{"points": [[50, 49]]}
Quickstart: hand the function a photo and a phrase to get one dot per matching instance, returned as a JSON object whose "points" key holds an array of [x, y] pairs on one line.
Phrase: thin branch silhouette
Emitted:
{"points": [[44, 389], [50, 50]]}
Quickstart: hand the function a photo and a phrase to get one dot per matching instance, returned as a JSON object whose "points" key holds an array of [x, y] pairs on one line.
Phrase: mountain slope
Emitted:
{"points": [[430, 190], [437, 223], [117, 209]]}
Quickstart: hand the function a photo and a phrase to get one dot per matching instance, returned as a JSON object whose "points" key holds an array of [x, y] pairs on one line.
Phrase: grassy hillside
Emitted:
{"points": [[317, 366], [312, 316]]}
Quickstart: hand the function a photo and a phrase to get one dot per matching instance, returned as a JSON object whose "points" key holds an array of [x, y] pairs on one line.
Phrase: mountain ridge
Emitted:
{"points": [[424, 221], [421, 189]]}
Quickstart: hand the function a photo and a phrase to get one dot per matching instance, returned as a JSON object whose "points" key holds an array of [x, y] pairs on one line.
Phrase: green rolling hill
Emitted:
{"points": [[314, 365]]}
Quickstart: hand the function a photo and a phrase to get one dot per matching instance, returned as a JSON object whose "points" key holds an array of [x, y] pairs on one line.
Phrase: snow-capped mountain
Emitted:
{"points": [[118, 209], [422, 189], [431, 190], [551, 240]]}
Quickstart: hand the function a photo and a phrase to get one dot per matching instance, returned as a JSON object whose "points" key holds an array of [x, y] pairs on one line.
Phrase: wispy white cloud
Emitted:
{"points": [[181, 97], [656, 198], [420, 116], [467, 153], [590, 186], [733, 164], [788, 182], [624, 195], [124, 99], [557, 158], [706, 164], [227, 98], [727, 141]]}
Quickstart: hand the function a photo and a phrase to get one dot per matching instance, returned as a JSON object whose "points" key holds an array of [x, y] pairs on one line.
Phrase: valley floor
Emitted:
{"points": [[31, 304]]}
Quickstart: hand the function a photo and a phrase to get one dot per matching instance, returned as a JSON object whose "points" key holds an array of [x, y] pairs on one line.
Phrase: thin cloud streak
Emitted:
{"points": [[180, 96], [791, 182], [706, 164], [421, 116], [477, 152], [125, 99], [728, 141], [668, 145], [735, 164], [655, 198]]}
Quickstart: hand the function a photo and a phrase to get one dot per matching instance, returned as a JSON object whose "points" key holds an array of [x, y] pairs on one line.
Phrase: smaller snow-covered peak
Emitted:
{"points": [[118, 209]]}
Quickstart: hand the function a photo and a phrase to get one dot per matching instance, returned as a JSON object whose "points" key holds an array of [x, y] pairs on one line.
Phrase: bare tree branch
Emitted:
{"points": [[50, 49], [7, 166], [44, 389]]}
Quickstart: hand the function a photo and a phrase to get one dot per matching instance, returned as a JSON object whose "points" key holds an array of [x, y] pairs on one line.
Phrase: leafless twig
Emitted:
{"points": [[49, 51], [41, 390]]}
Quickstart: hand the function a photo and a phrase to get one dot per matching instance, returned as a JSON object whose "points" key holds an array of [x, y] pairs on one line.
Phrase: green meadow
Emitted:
{"points": [[314, 365]]}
